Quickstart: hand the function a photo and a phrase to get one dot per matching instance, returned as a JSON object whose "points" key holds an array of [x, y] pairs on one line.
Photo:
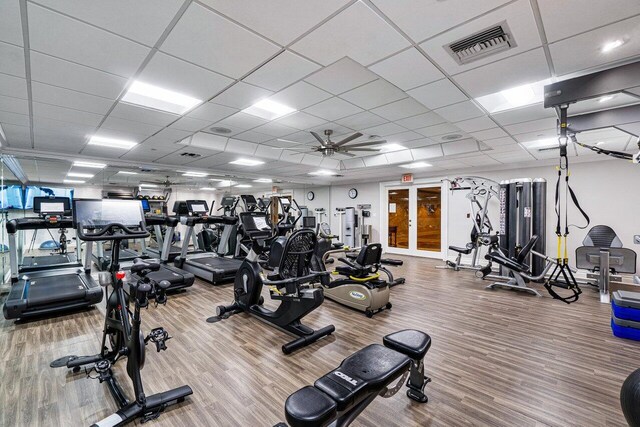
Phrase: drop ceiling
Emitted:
{"points": [[374, 66]]}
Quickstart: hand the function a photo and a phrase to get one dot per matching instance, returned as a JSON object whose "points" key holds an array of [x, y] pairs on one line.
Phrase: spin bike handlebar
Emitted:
{"points": [[112, 231]]}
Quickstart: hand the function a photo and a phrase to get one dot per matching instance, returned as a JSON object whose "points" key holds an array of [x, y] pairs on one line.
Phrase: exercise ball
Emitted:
{"points": [[630, 399]]}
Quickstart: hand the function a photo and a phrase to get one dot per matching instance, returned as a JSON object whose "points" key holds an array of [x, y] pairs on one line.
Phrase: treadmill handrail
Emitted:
{"points": [[36, 223], [103, 234]]}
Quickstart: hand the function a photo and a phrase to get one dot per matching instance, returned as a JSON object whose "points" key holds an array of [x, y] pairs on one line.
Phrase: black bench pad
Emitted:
{"points": [[309, 407], [506, 262], [465, 251], [389, 261], [414, 344], [366, 371]]}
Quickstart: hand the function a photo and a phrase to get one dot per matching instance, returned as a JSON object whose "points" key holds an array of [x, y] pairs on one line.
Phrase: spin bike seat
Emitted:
{"points": [[464, 251]]}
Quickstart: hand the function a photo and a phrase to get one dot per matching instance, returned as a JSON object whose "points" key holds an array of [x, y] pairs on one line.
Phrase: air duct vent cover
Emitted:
{"points": [[192, 155], [487, 42]]}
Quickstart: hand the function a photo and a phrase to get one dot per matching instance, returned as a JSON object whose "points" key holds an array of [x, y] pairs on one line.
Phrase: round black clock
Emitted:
{"points": [[353, 193], [311, 195]]}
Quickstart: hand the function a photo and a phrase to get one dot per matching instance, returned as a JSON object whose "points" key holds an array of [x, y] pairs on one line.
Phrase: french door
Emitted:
{"points": [[414, 220]]}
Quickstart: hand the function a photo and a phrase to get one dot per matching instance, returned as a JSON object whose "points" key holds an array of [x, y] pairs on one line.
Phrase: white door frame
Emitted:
{"points": [[413, 213]]}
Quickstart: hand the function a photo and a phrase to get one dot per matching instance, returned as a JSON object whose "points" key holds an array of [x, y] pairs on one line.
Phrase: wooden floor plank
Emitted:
{"points": [[499, 358]]}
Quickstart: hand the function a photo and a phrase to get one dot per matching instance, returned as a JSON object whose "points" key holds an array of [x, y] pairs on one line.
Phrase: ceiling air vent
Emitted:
{"points": [[481, 44], [192, 155]]}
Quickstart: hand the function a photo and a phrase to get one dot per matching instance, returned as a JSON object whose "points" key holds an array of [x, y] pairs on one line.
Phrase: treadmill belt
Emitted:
{"points": [[33, 261], [126, 255], [228, 265], [54, 289]]}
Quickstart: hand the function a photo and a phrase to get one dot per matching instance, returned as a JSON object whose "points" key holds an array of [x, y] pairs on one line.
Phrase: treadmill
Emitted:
{"points": [[179, 209], [209, 266], [56, 212], [50, 290]]}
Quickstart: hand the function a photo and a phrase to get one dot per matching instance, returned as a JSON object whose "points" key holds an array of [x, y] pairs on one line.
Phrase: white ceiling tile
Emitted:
{"points": [[399, 157], [373, 94], [252, 136], [361, 120], [376, 160], [241, 95], [353, 163], [190, 124], [127, 129], [493, 133], [402, 137], [14, 119], [11, 23], [459, 147], [525, 68], [147, 152], [241, 147], [60, 128], [300, 96], [12, 60], [222, 46], [341, 76], [600, 13], [69, 98], [420, 121], [427, 152], [144, 115], [407, 69], [211, 112], [281, 71], [180, 76], [441, 129], [437, 94], [13, 86], [476, 124], [522, 24], [584, 51], [333, 109], [57, 72], [330, 163], [524, 114], [241, 122], [410, 15], [384, 129], [311, 160], [268, 152], [300, 120], [422, 142], [207, 141], [458, 112], [66, 38], [17, 136], [14, 105], [55, 112], [500, 142], [172, 134], [369, 40], [280, 20], [144, 20], [534, 136], [397, 110], [275, 129], [532, 126]]}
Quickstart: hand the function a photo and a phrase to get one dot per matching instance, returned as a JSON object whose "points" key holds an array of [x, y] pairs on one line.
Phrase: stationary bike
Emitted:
{"points": [[289, 279], [122, 335]]}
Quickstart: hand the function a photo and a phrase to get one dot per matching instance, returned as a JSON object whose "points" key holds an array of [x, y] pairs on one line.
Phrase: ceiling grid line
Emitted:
{"points": [[27, 64]]}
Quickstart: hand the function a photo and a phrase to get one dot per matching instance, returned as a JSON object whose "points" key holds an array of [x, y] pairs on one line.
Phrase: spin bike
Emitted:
{"points": [[122, 335]]}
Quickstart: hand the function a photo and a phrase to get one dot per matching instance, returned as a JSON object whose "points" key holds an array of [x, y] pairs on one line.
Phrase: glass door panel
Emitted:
{"points": [[429, 223], [398, 218]]}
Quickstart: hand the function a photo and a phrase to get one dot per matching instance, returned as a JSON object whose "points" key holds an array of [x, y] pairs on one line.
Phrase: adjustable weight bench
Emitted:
{"points": [[337, 398]]}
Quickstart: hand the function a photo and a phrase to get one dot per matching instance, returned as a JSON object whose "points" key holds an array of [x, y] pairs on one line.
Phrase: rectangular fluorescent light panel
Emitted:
{"points": [[127, 173], [243, 186], [323, 172], [112, 142], [264, 180], [82, 164], [416, 165], [515, 97], [388, 148], [148, 185], [247, 162], [208, 188], [79, 175], [159, 98], [223, 182], [608, 47], [73, 181], [195, 174], [268, 110]]}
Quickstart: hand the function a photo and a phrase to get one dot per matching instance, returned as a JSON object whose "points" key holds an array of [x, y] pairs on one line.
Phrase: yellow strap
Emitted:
{"points": [[275, 290], [365, 279], [559, 247], [566, 250]]}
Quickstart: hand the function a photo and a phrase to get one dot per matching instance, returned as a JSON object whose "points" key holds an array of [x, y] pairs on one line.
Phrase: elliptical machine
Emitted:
{"points": [[289, 260], [118, 220]]}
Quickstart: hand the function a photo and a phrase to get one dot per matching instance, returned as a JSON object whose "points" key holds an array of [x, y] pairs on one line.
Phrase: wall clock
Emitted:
{"points": [[311, 195], [353, 193]]}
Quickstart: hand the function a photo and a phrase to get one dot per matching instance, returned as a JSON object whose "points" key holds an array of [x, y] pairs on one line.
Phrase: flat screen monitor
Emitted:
{"points": [[255, 221], [145, 205], [198, 206], [51, 205], [91, 213], [309, 222], [228, 201]]}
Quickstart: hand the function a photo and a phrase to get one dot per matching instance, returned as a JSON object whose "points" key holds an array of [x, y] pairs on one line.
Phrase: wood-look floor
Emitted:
{"points": [[499, 358]]}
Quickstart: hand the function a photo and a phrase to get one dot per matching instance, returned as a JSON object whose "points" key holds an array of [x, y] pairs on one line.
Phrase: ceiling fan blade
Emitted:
{"points": [[347, 154], [290, 142], [320, 140], [365, 144], [361, 149], [348, 139]]}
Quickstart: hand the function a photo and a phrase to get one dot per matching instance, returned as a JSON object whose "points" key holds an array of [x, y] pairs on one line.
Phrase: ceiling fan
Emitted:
{"points": [[329, 148]]}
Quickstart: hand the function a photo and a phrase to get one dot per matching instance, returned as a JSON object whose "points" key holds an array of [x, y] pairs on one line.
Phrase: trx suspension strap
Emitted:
{"points": [[562, 276]]}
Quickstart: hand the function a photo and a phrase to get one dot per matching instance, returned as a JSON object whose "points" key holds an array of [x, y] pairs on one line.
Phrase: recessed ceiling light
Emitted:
{"points": [[79, 175], [515, 97], [73, 181], [112, 142], [544, 143], [606, 98], [223, 182], [599, 142], [387, 148], [195, 174], [264, 180], [416, 165], [208, 188], [148, 185], [518, 96], [243, 186], [83, 164], [608, 47], [127, 173], [323, 172], [268, 109], [159, 98], [247, 162]]}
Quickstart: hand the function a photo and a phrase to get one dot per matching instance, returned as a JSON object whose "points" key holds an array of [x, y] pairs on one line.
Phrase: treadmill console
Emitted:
{"points": [[180, 208], [255, 222], [250, 202], [198, 207], [52, 206]]}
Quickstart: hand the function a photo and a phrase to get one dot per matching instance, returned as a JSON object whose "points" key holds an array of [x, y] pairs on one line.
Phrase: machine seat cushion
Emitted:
{"points": [[507, 262], [390, 261], [364, 372], [464, 251], [414, 344], [309, 407], [347, 271]]}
